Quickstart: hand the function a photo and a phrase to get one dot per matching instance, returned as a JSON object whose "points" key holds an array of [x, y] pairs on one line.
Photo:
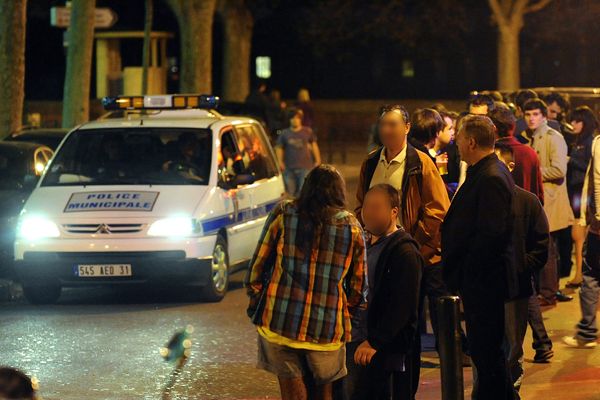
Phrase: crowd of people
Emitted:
{"points": [[491, 204]]}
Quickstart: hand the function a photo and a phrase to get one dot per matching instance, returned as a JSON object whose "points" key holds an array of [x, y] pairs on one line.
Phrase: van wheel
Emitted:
{"points": [[42, 294], [218, 280]]}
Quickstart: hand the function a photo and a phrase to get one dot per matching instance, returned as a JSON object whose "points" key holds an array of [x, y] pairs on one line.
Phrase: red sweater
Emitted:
{"points": [[527, 173]]}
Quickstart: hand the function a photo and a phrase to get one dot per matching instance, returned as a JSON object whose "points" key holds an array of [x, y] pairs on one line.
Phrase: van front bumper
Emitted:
{"points": [[162, 268]]}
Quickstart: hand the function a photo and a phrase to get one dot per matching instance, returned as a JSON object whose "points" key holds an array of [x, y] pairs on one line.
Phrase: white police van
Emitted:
{"points": [[164, 190]]}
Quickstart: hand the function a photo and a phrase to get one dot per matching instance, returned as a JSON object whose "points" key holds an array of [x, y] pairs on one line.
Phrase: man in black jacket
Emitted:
{"points": [[477, 252], [530, 240], [383, 336]]}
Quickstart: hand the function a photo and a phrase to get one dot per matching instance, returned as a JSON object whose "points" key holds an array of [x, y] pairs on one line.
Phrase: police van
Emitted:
{"points": [[163, 190]]}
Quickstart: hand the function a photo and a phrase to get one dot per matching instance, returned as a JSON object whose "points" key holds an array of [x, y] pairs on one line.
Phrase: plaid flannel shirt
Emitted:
{"points": [[308, 297]]}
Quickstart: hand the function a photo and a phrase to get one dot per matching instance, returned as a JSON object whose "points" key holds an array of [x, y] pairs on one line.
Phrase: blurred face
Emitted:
{"points": [[447, 135], [478, 110], [296, 121], [377, 213], [466, 146], [554, 110], [577, 127], [393, 129], [534, 118]]}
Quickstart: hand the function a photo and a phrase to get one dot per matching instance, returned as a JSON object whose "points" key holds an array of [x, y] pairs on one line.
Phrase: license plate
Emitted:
{"points": [[102, 270]]}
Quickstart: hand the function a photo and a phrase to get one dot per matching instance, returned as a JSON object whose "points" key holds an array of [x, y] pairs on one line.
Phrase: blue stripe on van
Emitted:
{"points": [[212, 226]]}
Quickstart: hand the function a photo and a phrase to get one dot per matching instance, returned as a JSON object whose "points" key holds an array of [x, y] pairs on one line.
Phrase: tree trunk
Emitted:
{"points": [[76, 98], [12, 65], [195, 18], [146, 49], [508, 58], [238, 24]]}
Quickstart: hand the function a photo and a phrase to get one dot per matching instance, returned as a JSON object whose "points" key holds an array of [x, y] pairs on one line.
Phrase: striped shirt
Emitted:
{"points": [[308, 296]]}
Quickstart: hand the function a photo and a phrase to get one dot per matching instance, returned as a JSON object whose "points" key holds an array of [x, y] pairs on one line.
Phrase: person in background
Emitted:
{"points": [[586, 336], [16, 385], [521, 133], [423, 200], [528, 176], [383, 337], [480, 104], [310, 260], [304, 103], [426, 125], [257, 101], [552, 153], [530, 240], [558, 110], [477, 252], [526, 173], [276, 120], [297, 151], [448, 159], [585, 126]]}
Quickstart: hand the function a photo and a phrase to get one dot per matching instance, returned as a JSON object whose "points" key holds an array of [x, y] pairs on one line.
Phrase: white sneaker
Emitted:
{"points": [[572, 341]]}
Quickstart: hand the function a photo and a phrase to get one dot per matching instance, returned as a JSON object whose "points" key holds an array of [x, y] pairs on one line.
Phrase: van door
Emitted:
{"points": [[241, 232], [260, 160]]}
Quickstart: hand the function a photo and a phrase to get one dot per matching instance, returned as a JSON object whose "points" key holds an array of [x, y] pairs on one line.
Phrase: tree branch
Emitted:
{"points": [[535, 7], [497, 11]]}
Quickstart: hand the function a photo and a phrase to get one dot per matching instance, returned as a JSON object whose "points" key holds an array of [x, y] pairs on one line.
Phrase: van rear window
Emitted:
{"points": [[138, 156]]}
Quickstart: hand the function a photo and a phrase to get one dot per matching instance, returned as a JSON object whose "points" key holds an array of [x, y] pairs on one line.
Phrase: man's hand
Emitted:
{"points": [[364, 353]]}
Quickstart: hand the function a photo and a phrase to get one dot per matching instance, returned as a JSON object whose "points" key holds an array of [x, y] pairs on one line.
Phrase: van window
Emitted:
{"points": [[255, 152], [144, 156]]}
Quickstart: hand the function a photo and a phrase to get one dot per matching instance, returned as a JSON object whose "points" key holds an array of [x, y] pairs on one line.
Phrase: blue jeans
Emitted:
{"points": [[587, 330], [294, 179]]}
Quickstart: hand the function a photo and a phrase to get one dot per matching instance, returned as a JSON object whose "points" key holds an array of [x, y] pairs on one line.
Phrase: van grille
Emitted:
{"points": [[90, 229]]}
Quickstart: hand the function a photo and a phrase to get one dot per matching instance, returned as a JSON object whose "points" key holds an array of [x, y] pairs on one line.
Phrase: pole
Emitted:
{"points": [[448, 311], [146, 51]]}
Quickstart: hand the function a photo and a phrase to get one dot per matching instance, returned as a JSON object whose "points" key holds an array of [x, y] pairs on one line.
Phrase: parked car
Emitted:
{"points": [[21, 164], [47, 136]]}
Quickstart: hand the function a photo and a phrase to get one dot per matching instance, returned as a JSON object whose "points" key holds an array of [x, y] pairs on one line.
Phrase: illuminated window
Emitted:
{"points": [[263, 67], [408, 69]]}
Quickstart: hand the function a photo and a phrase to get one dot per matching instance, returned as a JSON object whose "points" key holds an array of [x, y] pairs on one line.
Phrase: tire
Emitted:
{"points": [[218, 280], [42, 294]]}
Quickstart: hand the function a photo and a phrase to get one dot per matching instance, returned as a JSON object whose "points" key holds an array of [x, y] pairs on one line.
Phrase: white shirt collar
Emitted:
{"points": [[398, 159]]}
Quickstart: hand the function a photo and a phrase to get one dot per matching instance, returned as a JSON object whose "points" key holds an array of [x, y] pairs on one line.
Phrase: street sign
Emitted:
{"points": [[104, 17]]}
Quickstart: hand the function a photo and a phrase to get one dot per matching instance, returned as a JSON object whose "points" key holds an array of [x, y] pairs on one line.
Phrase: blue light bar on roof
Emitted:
{"points": [[161, 102]]}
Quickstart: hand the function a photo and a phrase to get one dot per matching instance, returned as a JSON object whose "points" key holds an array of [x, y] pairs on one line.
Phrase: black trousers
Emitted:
{"points": [[374, 382], [484, 317]]}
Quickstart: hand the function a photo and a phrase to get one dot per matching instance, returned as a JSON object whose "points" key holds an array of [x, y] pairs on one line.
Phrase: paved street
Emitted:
{"points": [[103, 344]]}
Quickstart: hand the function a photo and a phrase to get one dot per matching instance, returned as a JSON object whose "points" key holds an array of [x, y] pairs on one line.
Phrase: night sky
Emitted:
{"points": [[446, 66]]}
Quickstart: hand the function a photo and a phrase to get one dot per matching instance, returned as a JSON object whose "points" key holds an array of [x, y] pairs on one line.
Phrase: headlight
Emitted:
{"points": [[173, 227], [32, 228]]}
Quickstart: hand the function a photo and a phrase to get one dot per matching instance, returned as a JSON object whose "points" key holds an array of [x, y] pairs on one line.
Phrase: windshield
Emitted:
{"points": [[13, 168], [139, 156]]}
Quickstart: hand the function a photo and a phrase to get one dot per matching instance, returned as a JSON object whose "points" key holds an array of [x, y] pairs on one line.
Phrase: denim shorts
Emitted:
{"points": [[288, 363]]}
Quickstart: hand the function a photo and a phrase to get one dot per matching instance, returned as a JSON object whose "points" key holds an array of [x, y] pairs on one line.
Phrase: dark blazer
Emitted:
{"points": [[393, 310], [530, 242], [476, 233]]}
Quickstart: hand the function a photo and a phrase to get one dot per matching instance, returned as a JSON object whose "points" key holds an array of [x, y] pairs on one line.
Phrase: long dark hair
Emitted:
{"points": [[322, 196], [590, 122]]}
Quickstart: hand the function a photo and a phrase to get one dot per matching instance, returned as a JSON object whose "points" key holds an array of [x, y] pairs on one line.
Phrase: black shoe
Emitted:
{"points": [[560, 296], [543, 356]]}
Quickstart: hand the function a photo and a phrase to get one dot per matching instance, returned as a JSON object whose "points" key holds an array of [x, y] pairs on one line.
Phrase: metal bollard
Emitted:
{"points": [[449, 342]]}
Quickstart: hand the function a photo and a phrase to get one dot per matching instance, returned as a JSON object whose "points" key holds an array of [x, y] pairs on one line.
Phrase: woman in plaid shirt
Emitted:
{"points": [[306, 279]]}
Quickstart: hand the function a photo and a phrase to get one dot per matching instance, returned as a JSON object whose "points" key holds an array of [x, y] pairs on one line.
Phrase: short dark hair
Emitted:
{"points": [[395, 107], [292, 112], [390, 191], [504, 120], [494, 95], [480, 128], [425, 125], [524, 95], [558, 98], [505, 150], [535, 104], [14, 384], [482, 100]]}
